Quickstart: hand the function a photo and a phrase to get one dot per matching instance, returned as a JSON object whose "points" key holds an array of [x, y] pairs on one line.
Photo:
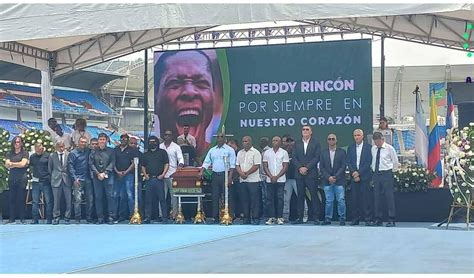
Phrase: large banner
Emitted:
{"points": [[266, 91]]}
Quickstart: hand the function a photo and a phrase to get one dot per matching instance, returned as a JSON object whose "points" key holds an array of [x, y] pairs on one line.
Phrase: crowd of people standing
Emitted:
{"points": [[84, 170]]}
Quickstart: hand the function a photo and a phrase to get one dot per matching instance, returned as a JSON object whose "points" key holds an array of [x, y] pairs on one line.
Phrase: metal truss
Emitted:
{"points": [[426, 29], [253, 34], [421, 28]]}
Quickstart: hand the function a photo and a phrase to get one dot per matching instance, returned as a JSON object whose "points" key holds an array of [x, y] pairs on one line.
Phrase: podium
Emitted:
{"points": [[188, 184]]}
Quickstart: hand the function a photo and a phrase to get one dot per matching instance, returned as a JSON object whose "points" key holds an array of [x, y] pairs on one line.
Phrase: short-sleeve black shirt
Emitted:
{"points": [[123, 159], [154, 161], [17, 157]]}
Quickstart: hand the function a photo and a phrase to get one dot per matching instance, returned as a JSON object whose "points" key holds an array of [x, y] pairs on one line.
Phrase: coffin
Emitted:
{"points": [[187, 180]]}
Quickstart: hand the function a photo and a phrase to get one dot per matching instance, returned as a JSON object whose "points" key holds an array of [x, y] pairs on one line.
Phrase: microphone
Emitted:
{"points": [[417, 90]]}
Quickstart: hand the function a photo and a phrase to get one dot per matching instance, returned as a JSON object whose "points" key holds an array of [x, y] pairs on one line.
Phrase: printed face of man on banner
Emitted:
{"points": [[185, 94]]}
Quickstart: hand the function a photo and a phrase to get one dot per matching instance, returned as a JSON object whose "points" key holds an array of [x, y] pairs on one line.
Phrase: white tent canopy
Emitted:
{"points": [[60, 38], [73, 36]]}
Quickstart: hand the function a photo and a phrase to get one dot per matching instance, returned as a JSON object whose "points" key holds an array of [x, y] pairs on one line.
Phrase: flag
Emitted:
{"points": [[450, 118], [421, 135], [434, 149]]}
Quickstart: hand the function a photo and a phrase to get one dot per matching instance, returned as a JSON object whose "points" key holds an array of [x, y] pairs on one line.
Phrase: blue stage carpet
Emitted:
{"points": [[62, 248]]}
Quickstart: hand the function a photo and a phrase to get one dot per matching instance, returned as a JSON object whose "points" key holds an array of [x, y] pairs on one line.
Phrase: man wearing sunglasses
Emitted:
{"points": [[175, 156], [333, 170], [306, 158]]}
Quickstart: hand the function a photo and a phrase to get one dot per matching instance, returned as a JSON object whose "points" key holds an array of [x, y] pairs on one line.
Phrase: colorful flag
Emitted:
{"points": [[450, 118], [421, 135], [434, 149]]}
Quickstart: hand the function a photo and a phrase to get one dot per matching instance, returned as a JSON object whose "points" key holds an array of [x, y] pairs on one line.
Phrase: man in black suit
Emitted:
{"points": [[333, 173], [305, 158], [359, 158]]}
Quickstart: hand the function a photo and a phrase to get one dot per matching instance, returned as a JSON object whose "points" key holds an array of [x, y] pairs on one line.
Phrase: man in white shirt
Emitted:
{"points": [[384, 162], [52, 123], [275, 165], [247, 165], [188, 137], [175, 156], [63, 137]]}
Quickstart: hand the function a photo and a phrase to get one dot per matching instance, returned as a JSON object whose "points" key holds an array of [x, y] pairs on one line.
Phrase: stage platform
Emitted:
{"points": [[157, 248]]}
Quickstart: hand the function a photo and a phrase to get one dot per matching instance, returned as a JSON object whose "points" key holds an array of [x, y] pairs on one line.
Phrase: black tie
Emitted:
{"points": [[377, 160], [61, 159]]}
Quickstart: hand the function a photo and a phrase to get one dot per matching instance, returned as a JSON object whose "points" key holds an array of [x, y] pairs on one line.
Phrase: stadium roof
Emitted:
{"points": [[78, 79], [66, 37]]}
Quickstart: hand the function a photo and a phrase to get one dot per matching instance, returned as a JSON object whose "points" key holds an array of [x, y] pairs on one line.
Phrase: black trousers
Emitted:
{"points": [[155, 188], [100, 188], [362, 200], [275, 192], [383, 191], [217, 184], [234, 199], [16, 197], [251, 199], [313, 210]]}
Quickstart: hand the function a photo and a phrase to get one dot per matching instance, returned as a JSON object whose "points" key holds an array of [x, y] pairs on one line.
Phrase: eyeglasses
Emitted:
{"points": [[306, 129], [331, 139]]}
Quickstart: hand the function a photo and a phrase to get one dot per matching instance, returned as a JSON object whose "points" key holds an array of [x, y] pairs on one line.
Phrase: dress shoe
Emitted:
{"points": [[390, 224], [146, 221], [326, 222], [298, 221], [100, 221], [66, 221], [354, 223], [35, 221], [55, 221], [342, 223], [49, 221]]}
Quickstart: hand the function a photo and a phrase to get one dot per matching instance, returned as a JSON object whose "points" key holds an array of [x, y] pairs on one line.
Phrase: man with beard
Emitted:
{"points": [[154, 168], [185, 94]]}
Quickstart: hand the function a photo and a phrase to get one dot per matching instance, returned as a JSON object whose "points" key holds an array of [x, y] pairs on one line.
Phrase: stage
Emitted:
{"points": [[122, 248]]}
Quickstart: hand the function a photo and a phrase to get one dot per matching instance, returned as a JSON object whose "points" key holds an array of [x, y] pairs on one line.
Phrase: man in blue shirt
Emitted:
{"points": [[215, 158], [78, 161]]}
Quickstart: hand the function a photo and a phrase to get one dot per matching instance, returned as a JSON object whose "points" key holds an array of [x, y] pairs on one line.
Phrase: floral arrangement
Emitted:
{"points": [[4, 148], [32, 136], [460, 163], [412, 178]]}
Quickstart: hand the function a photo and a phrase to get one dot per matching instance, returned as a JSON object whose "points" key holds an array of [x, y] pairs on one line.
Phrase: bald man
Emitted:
{"points": [[248, 166]]}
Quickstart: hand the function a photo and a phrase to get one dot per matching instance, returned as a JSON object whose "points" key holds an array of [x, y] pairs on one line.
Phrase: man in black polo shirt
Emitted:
{"points": [[155, 164], [123, 171], [41, 183]]}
